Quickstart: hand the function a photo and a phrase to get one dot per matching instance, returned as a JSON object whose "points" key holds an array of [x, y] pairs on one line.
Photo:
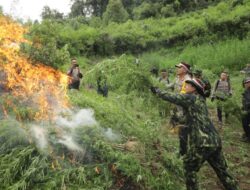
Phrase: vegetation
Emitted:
{"points": [[92, 37]]}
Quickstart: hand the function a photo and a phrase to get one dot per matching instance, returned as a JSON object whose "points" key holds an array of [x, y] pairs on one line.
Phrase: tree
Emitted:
{"points": [[147, 10], [168, 11], [99, 6], [129, 5], [88, 7], [53, 14], [78, 8], [115, 12]]}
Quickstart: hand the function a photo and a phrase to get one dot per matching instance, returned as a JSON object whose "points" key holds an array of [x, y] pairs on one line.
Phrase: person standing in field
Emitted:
{"points": [[178, 115], [154, 71], [164, 77], [221, 92], [75, 75], [204, 142], [102, 87], [246, 70], [246, 110]]}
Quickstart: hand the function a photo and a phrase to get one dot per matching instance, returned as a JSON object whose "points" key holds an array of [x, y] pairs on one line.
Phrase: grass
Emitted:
{"points": [[231, 54]]}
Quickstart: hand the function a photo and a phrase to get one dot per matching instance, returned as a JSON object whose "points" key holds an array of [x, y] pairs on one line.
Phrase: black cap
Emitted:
{"points": [[199, 86]]}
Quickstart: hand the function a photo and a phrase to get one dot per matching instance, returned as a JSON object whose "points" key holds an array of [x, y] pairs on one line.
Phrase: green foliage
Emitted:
{"points": [[122, 74], [147, 10], [50, 54], [140, 8], [44, 47], [24, 167], [88, 7], [11, 138], [91, 37], [78, 8], [168, 11], [214, 57], [115, 12], [53, 14]]}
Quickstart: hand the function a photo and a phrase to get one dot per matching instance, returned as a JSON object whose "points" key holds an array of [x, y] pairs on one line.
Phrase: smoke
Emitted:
{"points": [[84, 117], [110, 135], [68, 130], [70, 144], [40, 136], [64, 127]]}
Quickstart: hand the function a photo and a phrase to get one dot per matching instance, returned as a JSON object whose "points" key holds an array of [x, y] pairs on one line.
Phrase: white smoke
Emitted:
{"points": [[40, 136], [84, 117], [65, 123], [69, 143], [63, 130], [110, 135]]}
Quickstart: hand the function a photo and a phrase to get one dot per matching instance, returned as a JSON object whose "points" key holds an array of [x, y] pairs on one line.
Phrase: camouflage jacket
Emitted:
{"points": [[207, 88], [201, 131], [246, 100]]}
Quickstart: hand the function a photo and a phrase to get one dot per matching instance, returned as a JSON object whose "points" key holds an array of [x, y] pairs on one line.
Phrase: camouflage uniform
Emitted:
{"points": [[246, 112], [207, 88], [204, 143]]}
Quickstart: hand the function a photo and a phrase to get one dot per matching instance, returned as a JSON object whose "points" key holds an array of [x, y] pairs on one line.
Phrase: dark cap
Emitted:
{"points": [[197, 84], [184, 65]]}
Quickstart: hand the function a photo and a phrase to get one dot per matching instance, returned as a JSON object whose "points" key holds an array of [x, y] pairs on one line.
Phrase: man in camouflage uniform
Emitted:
{"points": [[246, 110], [204, 143]]}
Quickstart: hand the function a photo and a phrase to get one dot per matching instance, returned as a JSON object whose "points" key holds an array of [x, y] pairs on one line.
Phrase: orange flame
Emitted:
{"points": [[43, 87]]}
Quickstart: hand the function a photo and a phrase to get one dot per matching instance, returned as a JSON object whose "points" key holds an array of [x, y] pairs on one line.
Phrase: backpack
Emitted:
{"points": [[217, 84], [219, 95]]}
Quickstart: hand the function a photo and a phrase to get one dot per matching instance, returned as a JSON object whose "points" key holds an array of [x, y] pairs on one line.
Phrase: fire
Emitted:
{"points": [[39, 86]]}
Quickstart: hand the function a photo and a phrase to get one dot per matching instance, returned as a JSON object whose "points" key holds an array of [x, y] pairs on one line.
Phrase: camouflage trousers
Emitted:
{"points": [[193, 161]]}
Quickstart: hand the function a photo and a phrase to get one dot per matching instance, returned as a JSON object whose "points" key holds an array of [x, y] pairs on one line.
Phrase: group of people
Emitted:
{"points": [[220, 93], [199, 140]]}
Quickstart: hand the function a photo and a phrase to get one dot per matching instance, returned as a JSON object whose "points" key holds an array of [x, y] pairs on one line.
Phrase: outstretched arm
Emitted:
{"points": [[183, 100]]}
